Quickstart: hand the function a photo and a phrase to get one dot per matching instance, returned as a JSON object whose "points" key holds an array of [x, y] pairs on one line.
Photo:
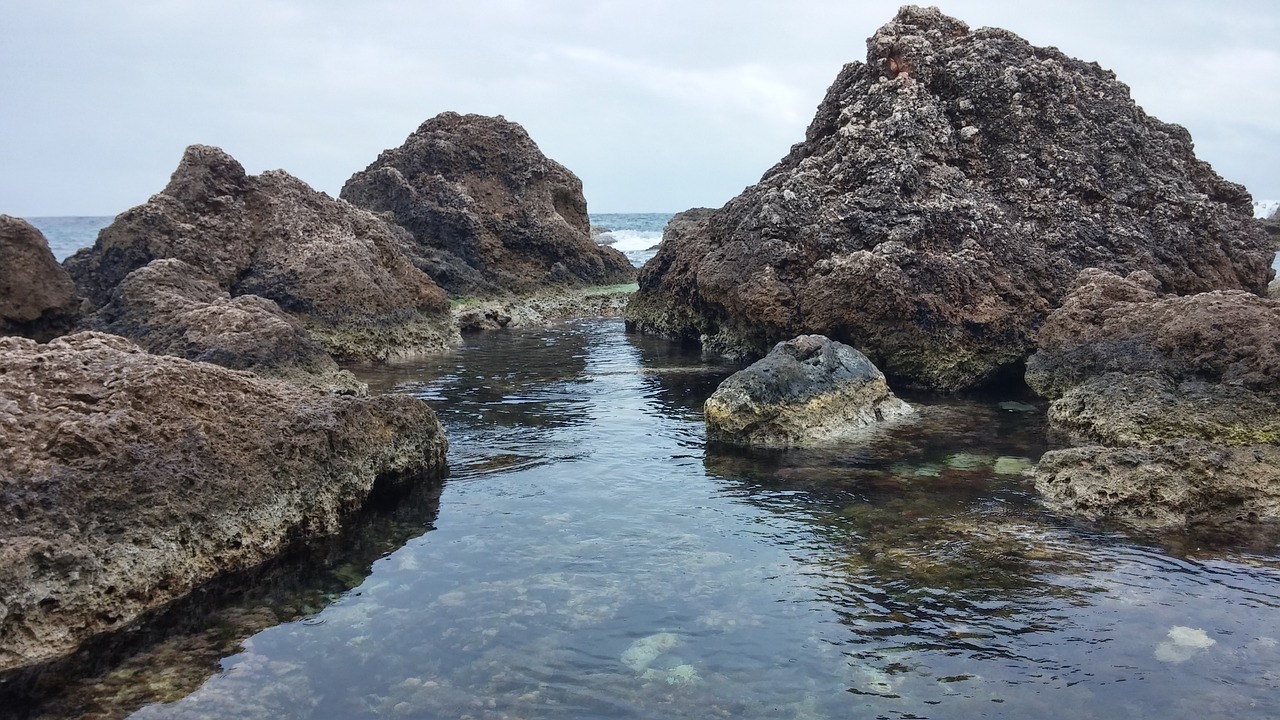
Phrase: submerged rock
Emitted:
{"points": [[488, 213], [945, 196], [127, 479], [806, 391], [37, 297], [336, 269], [1174, 403]]}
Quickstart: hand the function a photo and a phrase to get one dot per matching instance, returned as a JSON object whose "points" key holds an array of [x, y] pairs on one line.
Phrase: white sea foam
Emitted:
{"points": [[632, 240]]}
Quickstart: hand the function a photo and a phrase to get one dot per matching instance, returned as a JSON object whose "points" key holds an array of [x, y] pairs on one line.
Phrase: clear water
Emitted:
{"points": [[591, 557]]}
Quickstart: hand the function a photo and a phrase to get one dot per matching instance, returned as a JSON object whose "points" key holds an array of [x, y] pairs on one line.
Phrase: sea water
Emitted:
{"points": [[591, 555]]}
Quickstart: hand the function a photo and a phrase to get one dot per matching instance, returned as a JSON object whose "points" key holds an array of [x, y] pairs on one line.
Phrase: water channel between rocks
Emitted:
{"points": [[591, 557]]}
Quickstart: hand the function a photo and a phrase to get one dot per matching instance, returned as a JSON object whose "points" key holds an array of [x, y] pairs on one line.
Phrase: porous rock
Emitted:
{"points": [[1173, 403], [806, 391], [171, 308], [128, 478], [487, 212], [945, 196], [37, 297], [338, 270]]}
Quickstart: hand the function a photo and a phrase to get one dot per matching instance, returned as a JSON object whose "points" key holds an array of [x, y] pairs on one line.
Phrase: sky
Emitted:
{"points": [[658, 105]]}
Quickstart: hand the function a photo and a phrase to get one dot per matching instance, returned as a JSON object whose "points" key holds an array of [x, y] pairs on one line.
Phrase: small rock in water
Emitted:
{"points": [[1007, 465], [1015, 406], [682, 675], [644, 651], [1183, 643], [967, 461]]}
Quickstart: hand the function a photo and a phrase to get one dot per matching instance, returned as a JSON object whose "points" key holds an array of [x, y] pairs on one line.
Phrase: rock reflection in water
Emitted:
{"points": [[170, 653], [592, 557]]}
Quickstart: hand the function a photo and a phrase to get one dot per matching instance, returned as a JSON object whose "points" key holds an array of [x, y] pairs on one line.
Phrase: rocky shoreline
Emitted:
{"points": [[173, 408]]}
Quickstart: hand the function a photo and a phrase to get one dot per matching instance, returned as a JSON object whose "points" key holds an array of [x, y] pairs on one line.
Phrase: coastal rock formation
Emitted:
{"points": [[1174, 402], [334, 268], [543, 308], [806, 391], [37, 297], [127, 479], [946, 195], [171, 308], [489, 214]]}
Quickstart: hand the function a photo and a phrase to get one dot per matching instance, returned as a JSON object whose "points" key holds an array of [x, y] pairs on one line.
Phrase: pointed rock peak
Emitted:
{"points": [[908, 44], [206, 172]]}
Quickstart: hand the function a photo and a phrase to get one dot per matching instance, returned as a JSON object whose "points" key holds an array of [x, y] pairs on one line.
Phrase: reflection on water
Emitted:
{"points": [[593, 558]]}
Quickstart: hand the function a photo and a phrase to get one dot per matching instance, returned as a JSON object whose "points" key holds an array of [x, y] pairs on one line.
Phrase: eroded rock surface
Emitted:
{"points": [[806, 391], [1173, 401], [127, 479], [336, 269], [171, 308], [945, 197], [488, 213], [37, 297]]}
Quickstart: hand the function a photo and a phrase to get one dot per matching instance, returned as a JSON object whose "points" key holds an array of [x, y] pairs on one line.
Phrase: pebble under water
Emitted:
{"points": [[591, 557]]}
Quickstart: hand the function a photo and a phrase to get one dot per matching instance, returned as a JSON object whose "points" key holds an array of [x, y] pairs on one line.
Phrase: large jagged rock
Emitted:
{"points": [[333, 267], [127, 479], [806, 391], [171, 308], [946, 195], [1174, 403], [489, 214], [37, 297]]}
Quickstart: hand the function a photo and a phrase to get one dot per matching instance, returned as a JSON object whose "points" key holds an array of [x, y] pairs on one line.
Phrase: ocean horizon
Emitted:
{"points": [[635, 234]]}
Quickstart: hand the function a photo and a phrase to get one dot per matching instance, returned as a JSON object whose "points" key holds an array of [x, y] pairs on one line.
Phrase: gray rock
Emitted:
{"points": [[944, 198], [806, 391], [487, 213], [37, 297], [127, 479]]}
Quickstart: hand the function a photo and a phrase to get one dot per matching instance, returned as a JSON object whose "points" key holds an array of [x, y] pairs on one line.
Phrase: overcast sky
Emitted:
{"points": [[657, 105]]}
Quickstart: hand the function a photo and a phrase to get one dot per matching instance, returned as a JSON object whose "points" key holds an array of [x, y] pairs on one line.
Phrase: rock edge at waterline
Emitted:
{"points": [[128, 479], [944, 198], [1173, 403], [806, 391]]}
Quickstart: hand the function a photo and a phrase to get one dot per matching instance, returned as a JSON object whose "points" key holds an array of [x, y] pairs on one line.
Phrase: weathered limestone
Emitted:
{"points": [[127, 479], [37, 297], [945, 197], [488, 213], [1174, 403], [806, 391]]}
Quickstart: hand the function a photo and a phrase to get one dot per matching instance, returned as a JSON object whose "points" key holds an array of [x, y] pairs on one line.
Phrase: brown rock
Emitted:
{"points": [[946, 195], [171, 308], [1175, 402], [37, 297], [488, 213], [127, 479], [334, 268]]}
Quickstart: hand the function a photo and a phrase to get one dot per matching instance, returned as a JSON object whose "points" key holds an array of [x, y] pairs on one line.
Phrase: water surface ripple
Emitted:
{"points": [[592, 557]]}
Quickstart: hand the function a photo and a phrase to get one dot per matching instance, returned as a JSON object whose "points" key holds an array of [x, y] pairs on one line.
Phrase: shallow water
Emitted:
{"points": [[591, 557]]}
